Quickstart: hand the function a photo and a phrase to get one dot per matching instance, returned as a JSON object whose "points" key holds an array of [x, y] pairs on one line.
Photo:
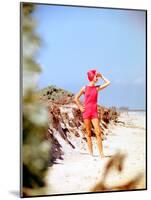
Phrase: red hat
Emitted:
{"points": [[91, 74]]}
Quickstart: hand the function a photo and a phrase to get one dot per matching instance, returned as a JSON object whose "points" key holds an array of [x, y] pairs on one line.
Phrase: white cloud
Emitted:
{"points": [[121, 82], [139, 81]]}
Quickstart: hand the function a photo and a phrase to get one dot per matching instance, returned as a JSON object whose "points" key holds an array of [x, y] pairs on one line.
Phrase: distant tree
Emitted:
{"points": [[124, 108]]}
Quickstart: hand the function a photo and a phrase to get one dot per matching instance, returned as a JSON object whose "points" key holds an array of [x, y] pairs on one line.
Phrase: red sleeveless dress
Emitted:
{"points": [[90, 102]]}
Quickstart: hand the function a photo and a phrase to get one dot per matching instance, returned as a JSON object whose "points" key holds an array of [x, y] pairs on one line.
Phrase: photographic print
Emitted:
{"points": [[83, 99]]}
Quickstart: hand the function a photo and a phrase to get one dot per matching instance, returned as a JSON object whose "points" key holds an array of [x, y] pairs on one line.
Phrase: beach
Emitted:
{"points": [[79, 172]]}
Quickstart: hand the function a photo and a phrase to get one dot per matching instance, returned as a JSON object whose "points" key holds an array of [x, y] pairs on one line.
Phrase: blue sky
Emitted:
{"points": [[76, 39]]}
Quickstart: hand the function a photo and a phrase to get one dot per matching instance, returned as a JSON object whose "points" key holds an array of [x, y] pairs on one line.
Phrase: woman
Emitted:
{"points": [[89, 110]]}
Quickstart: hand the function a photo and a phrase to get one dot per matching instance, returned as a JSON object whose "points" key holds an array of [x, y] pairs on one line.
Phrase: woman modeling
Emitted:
{"points": [[89, 110]]}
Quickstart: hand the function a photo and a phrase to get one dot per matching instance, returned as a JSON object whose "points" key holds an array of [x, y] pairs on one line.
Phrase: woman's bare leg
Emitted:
{"points": [[87, 123], [97, 129]]}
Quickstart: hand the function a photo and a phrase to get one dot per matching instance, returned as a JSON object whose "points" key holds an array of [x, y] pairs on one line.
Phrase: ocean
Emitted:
{"points": [[134, 119]]}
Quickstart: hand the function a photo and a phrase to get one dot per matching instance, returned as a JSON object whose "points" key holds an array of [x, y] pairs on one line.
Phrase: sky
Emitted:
{"points": [[77, 39]]}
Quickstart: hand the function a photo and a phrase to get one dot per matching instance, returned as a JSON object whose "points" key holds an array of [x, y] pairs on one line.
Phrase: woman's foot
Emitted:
{"points": [[102, 156], [92, 157]]}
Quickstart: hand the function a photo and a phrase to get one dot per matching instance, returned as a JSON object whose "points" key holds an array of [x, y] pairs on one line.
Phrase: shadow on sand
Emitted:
{"points": [[106, 156], [15, 193]]}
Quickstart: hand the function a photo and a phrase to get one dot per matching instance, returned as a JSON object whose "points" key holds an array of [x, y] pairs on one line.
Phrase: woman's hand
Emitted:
{"points": [[82, 108], [99, 75]]}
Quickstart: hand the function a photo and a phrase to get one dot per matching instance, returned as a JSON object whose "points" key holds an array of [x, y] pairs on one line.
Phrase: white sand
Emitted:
{"points": [[79, 172]]}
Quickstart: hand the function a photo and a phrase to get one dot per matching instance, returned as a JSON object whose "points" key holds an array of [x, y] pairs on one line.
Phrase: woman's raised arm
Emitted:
{"points": [[107, 82]]}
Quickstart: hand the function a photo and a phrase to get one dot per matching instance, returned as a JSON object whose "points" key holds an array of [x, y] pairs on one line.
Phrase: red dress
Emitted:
{"points": [[90, 102]]}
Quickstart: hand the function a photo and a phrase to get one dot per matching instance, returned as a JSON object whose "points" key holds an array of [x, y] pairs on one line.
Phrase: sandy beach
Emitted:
{"points": [[79, 172]]}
